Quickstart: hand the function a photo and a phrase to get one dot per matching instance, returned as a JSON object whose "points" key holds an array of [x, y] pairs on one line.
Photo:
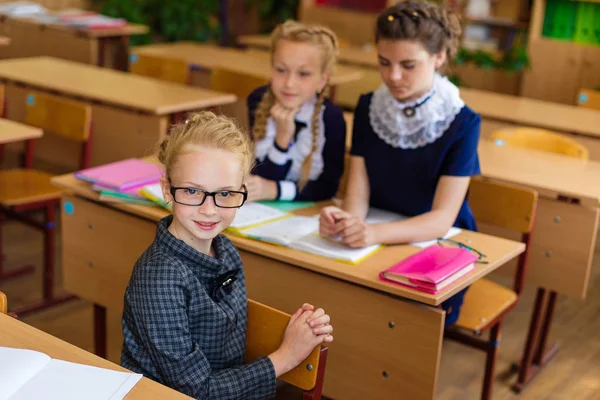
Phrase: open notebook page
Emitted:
{"points": [[17, 366], [315, 244], [62, 380], [255, 213], [284, 231]]}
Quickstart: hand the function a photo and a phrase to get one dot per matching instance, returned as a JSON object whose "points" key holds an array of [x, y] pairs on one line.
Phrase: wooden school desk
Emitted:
{"points": [[201, 58], [387, 338], [502, 111], [17, 334], [102, 47], [129, 113], [564, 235]]}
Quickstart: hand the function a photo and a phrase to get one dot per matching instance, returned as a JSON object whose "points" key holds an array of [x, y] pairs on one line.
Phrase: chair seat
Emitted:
{"points": [[26, 186], [484, 302]]}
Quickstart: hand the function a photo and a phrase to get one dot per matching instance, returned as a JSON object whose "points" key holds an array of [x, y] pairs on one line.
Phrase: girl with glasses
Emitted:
{"points": [[185, 312]]}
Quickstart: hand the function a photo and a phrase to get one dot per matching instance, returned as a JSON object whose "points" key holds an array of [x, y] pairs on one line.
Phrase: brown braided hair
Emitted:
{"points": [[328, 44], [435, 27], [206, 129]]}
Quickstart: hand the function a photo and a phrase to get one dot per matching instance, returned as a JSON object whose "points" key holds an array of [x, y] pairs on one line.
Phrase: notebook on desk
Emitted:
{"points": [[302, 233], [432, 269], [28, 374], [122, 175]]}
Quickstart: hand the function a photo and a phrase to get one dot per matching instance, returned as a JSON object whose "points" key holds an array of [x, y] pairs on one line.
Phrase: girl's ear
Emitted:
{"points": [[324, 80], [440, 59], [166, 189]]}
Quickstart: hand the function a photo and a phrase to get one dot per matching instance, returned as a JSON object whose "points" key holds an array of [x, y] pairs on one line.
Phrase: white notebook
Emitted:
{"points": [[31, 375], [255, 213], [302, 233]]}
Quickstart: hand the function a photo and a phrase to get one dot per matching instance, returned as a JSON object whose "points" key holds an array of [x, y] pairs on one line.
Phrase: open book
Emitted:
{"points": [[302, 233], [31, 375]]}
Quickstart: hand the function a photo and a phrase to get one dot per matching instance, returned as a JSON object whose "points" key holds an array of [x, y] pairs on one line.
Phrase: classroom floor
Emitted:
{"points": [[573, 374]]}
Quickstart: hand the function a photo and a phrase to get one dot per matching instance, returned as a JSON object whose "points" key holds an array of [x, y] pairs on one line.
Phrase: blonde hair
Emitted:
{"points": [[327, 42], [207, 129]]}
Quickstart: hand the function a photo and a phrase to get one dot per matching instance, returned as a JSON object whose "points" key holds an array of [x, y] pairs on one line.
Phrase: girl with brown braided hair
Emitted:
{"points": [[300, 135], [414, 144]]}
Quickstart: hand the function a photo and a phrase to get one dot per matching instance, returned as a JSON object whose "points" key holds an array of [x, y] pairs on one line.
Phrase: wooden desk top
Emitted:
{"points": [[208, 56], [11, 131], [126, 30], [17, 334], [531, 112], [498, 251], [545, 172], [348, 54], [108, 86]]}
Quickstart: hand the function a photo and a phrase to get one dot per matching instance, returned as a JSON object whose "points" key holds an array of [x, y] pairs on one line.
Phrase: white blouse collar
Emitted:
{"points": [[416, 123]]}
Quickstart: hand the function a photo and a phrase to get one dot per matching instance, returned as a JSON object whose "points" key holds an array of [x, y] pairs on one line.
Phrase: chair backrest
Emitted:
{"points": [[266, 327], [240, 84], [3, 303], [58, 116], [508, 207], [163, 68], [589, 98], [540, 139]]}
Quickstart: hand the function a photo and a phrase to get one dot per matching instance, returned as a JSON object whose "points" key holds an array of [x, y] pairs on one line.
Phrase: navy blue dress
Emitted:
{"points": [[404, 180]]}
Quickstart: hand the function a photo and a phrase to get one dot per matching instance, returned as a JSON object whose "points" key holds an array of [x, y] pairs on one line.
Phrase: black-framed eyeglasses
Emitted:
{"points": [[453, 243], [196, 197]]}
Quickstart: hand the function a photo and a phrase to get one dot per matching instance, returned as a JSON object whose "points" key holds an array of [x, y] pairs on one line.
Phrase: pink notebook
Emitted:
{"points": [[122, 175], [431, 269]]}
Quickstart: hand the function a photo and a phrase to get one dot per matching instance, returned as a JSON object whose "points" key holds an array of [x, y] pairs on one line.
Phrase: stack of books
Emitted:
{"points": [[130, 181], [432, 269]]}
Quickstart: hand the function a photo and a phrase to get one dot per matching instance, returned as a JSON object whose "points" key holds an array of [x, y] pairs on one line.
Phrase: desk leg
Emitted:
{"points": [[101, 51], [100, 331], [535, 353]]}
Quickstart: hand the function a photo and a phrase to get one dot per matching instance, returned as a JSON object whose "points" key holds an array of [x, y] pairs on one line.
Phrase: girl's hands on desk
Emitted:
{"points": [[260, 188], [306, 329], [352, 230]]}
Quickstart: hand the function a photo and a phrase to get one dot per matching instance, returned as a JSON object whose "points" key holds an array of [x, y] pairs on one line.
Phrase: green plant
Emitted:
{"points": [[511, 61], [168, 20], [273, 12]]}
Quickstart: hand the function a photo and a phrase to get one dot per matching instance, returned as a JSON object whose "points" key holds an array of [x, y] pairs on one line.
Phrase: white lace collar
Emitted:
{"points": [[433, 114]]}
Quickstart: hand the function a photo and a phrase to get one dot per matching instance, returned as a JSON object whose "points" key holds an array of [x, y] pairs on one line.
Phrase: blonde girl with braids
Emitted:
{"points": [[414, 142], [299, 133], [185, 311]]}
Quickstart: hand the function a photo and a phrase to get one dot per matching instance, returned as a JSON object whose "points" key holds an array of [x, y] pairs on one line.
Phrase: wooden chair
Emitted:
{"points": [[535, 353], [540, 139], [265, 330], [166, 69], [227, 81], [589, 98], [25, 189], [486, 303], [3, 304]]}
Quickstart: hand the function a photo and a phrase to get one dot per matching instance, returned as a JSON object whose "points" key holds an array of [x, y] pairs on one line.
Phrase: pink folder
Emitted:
{"points": [[431, 269], [122, 175]]}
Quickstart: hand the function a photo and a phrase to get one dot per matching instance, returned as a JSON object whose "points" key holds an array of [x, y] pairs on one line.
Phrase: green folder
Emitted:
{"points": [[287, 206], [564, 20], [585, 24], [548, 26]]}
